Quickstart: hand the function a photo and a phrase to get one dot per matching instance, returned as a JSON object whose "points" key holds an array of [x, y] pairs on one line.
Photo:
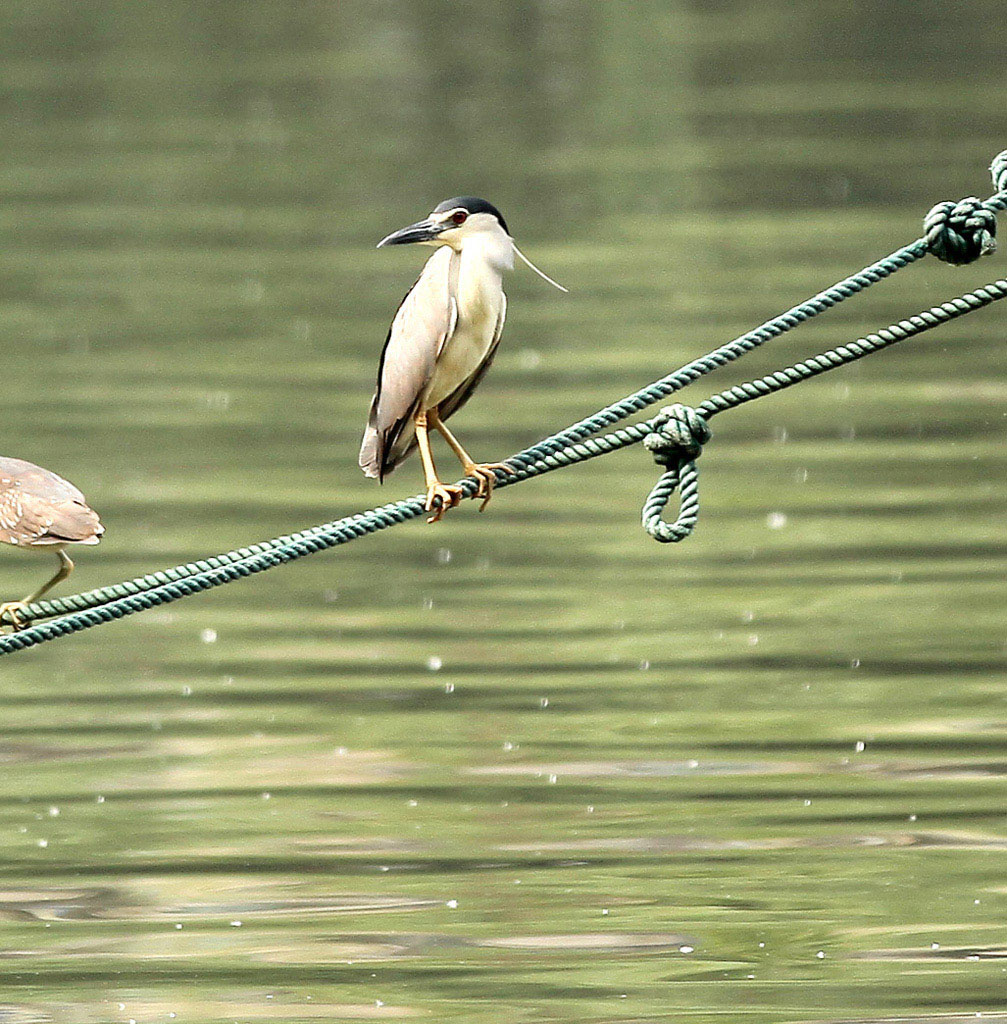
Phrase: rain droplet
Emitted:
{"points": [[776, 520], [434, 664], [208, 636]]}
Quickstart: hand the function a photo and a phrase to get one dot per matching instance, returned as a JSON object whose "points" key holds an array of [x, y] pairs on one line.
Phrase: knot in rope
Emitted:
{"points": [[961, 232], [998, 169], [677, 433], [676, 440]]}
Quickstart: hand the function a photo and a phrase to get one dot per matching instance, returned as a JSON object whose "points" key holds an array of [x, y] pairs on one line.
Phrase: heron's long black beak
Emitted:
{"points": [[421, 231]]}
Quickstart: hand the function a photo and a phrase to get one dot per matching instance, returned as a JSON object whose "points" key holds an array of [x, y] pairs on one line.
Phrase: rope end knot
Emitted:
{"points": [[678, 433], [959, 233]]}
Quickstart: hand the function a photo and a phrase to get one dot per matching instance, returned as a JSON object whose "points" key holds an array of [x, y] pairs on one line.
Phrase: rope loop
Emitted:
{"points": [[676, 439], [685, 480], [998, 169], [959, 233], [677, 433]]}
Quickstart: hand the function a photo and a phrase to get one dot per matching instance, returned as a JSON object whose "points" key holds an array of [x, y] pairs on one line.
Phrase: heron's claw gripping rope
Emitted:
{"points": [[676, 439]]}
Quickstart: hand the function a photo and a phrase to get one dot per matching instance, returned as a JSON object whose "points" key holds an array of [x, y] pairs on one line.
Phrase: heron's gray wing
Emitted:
{"points": [[463, 392], [424, 322]]}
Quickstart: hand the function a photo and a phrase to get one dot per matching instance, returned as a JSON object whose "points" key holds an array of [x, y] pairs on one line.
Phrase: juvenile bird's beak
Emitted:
{"points": [[422, 231]]}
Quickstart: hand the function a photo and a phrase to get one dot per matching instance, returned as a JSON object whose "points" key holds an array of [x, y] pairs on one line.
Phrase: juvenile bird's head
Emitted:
{"points": [[461, 222]]}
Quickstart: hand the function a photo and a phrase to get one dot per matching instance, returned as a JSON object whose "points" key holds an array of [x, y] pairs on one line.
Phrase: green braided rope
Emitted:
{"points": [[678, 432], [539, 453], [349, 528], [955, 232]]}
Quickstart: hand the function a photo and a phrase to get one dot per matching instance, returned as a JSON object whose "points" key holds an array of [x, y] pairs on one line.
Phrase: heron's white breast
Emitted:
{"points": [[479, 295]]}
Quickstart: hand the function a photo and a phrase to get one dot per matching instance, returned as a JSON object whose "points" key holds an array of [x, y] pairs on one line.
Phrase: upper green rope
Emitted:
{"points": [[956, 233]]}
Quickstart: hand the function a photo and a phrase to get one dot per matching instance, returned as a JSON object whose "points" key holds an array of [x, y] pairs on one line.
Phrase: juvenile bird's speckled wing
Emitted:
{"points": [[39, 508], [423, 324]]}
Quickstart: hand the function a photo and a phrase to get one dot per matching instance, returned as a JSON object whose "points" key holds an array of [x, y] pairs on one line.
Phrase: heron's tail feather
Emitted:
{"points": [[371, 455]]}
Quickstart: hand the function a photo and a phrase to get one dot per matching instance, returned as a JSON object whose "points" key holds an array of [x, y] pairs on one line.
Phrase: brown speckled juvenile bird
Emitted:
{"points": [[39, 509]]}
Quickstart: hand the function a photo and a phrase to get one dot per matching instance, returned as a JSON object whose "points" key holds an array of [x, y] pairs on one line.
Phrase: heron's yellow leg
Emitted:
{"points": [[12, 608], [482, 471], [440, 496]]}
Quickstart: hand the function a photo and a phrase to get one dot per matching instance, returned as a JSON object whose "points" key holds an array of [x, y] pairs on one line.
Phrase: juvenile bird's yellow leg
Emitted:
{"points": [[13, 608], [440, 496], [482, 471]]}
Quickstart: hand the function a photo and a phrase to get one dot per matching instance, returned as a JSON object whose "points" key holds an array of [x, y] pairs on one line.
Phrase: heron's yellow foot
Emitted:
{"points": [[484, 473], [11, 609], [440, 498]]}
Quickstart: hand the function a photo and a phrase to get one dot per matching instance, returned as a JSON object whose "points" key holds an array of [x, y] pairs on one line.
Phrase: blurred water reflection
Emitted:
{"points": [[528, 766]]}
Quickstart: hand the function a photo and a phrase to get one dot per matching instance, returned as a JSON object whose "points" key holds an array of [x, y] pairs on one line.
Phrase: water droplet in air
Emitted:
{"points": [[208, 636]]}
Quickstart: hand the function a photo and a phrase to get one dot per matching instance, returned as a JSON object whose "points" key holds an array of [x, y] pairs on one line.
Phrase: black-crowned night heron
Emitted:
{"points": [[441, 344], [39, 509]]}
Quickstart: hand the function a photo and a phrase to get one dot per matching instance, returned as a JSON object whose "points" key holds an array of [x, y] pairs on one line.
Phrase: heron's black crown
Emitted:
{"points": [[474, 205]]}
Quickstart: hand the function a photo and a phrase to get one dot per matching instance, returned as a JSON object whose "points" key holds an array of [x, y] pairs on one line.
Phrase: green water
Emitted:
{"points": [[525, 766]]}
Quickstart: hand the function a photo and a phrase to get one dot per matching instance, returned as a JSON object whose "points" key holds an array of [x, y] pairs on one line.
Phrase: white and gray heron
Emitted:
{"points": [[441, 344]]}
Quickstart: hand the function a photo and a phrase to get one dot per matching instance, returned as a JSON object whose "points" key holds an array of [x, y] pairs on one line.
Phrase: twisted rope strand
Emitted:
{"points": [[542, 453], [955, 232], [683, 431], [320, 538]]}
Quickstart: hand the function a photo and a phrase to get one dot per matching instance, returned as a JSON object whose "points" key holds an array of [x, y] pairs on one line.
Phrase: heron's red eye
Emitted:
{"points": [[459, 217]]}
